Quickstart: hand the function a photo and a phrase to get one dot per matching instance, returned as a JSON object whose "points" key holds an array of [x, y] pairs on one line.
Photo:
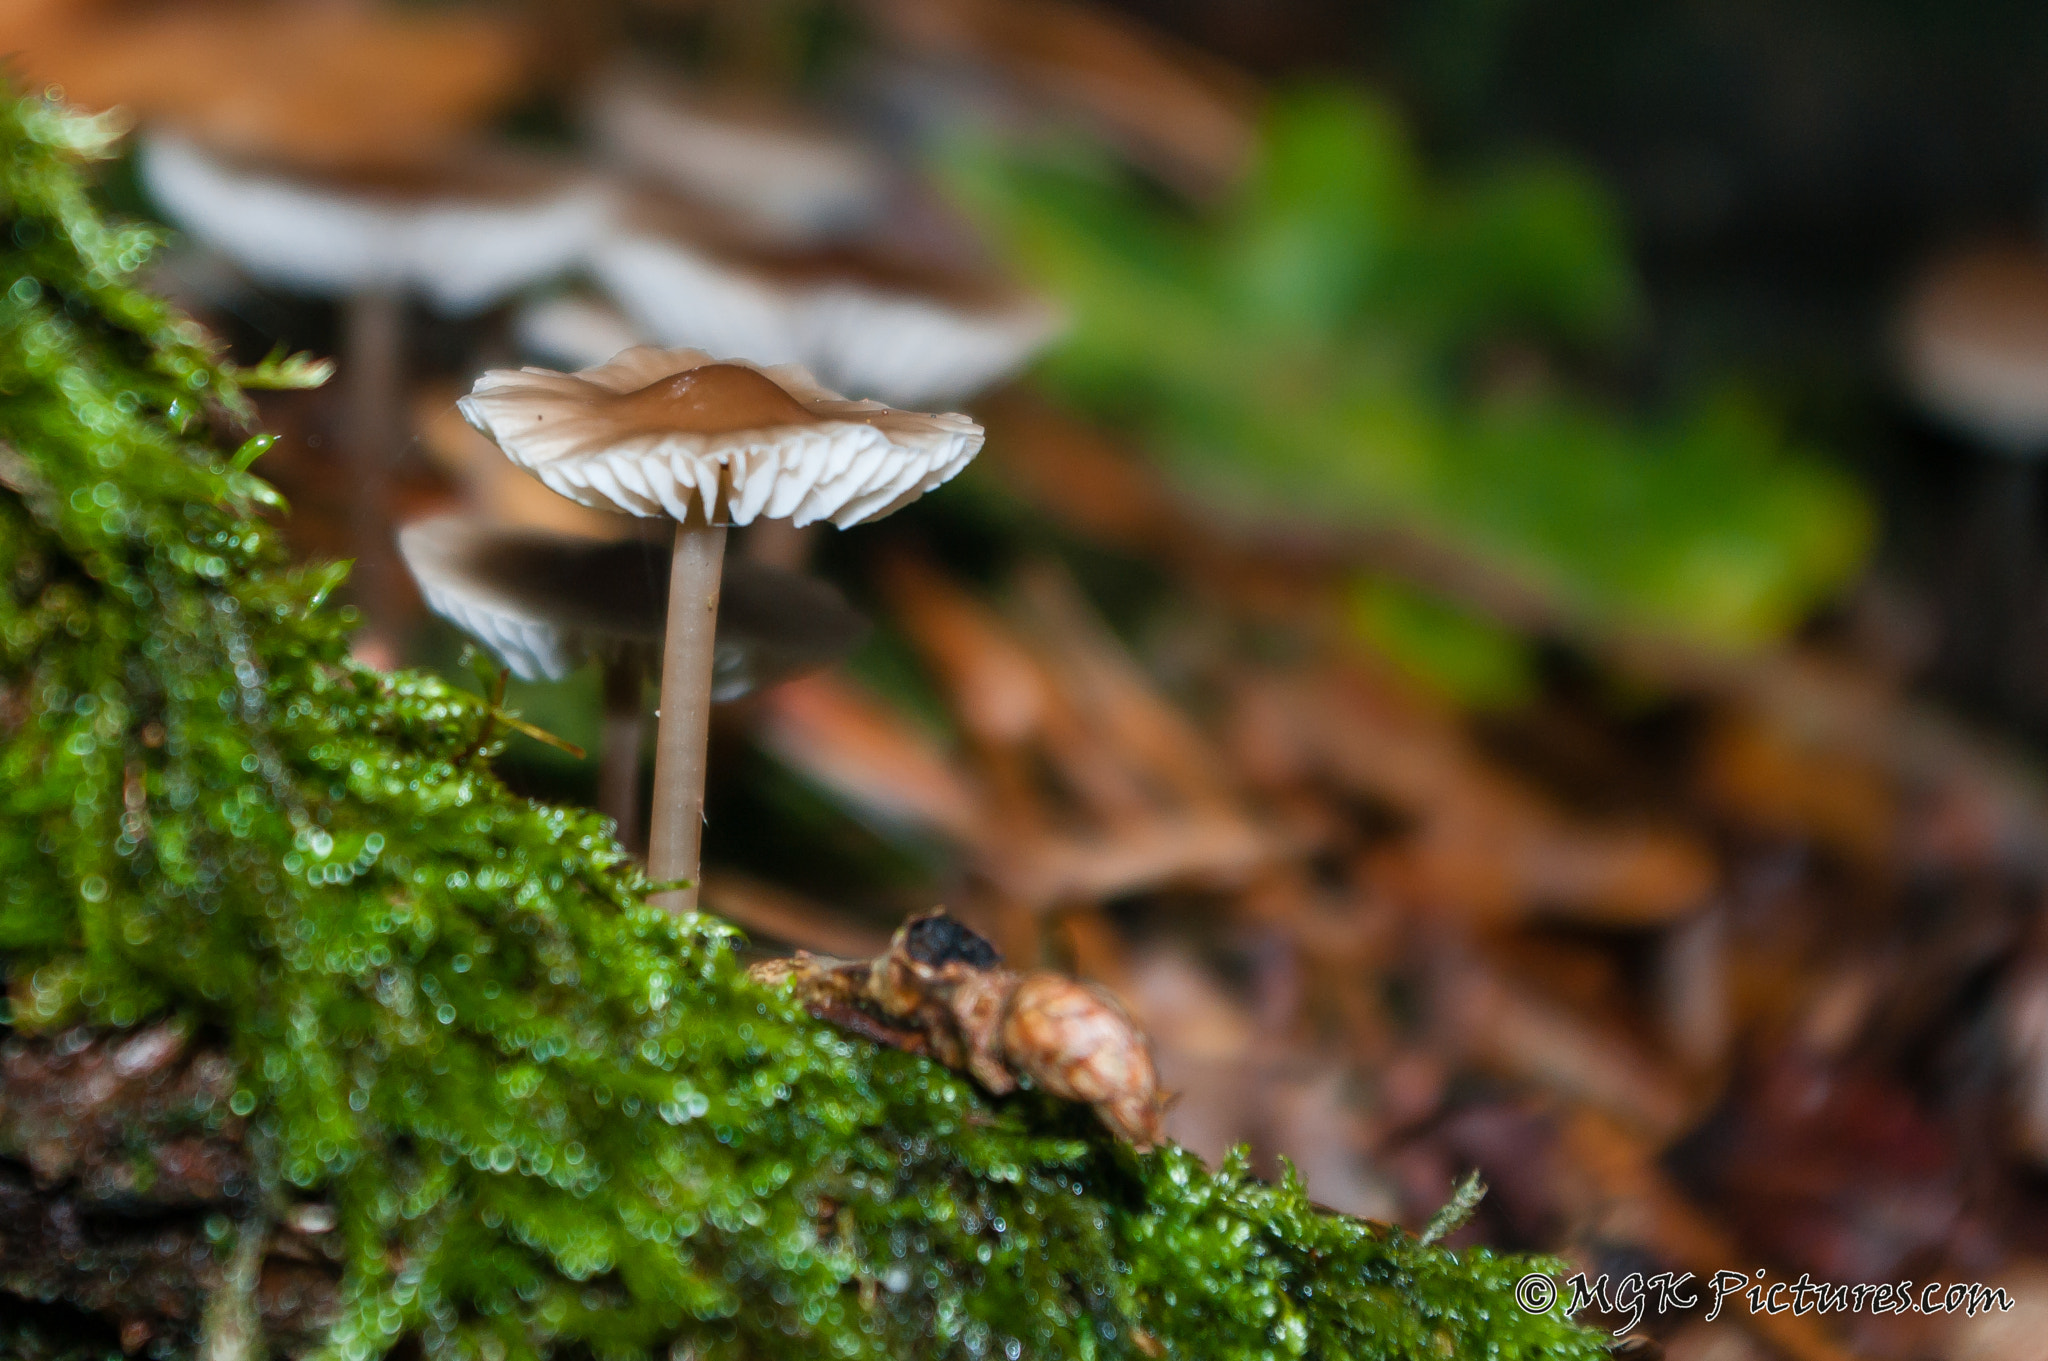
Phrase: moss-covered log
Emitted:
{"points": [[549, 1120]]}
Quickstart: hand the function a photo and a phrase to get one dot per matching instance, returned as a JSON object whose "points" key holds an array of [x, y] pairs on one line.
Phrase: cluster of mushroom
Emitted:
{"points": [[736, 256], [713, 228], [463, 232], [939, 990], [736, 231]]}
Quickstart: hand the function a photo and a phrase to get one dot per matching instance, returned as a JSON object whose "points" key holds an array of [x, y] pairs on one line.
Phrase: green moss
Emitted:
{"points": [[553, 1120], [1467, 658]]}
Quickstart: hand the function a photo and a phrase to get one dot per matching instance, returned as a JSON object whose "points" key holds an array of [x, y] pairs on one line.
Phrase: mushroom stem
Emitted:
{"points": [[676, 825], [2005, 518], [373, 323], [618, 775]]}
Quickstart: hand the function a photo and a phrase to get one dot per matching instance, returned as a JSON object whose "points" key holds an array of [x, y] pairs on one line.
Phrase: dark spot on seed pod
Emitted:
{"points": [[938, 939]]}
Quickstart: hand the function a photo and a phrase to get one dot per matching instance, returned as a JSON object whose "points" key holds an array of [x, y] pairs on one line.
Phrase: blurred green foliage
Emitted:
{"points": [[1449, 649], [554, 1121], [1351, 338]]}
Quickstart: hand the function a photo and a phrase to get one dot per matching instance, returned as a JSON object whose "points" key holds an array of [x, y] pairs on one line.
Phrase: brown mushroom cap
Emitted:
{"points": [[600, 437], [1976, 345], [313, 85]]}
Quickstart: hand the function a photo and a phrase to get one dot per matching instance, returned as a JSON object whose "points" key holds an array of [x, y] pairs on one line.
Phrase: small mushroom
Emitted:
{"points": [[867, 319], [488, 485], [708, 443], [544, 603], [462, 233], [787, 176], [1976, 346], [1975, 356]]}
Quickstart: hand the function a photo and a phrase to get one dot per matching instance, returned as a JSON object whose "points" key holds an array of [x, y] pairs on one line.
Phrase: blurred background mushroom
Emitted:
{"points": [[787, 176], [865, 320], [1976, 358], [460, 235], [1484, 622], [309, 92], [542, 604], [337, 84]]}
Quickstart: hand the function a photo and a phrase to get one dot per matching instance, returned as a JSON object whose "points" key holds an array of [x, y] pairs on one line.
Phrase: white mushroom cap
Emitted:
{"points": [[544, 603], [576, 330], [783, 174], [540, 624], [1976, 346], [682, 295], [852, 461], [912, 347], [911, 336], [465, 237]]}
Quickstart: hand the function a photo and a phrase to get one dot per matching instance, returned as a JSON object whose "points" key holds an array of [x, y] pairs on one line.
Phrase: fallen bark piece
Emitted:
{"points": [[1486, 845], [112, 1166], [70, 1106], [1498, 1025], [850, 743], [1102, 787], [938, 990]]}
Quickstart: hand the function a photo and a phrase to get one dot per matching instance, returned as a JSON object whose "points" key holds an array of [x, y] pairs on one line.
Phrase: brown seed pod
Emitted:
{"points": [[938, 990], [979, 1006], [1076, 1042]]}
